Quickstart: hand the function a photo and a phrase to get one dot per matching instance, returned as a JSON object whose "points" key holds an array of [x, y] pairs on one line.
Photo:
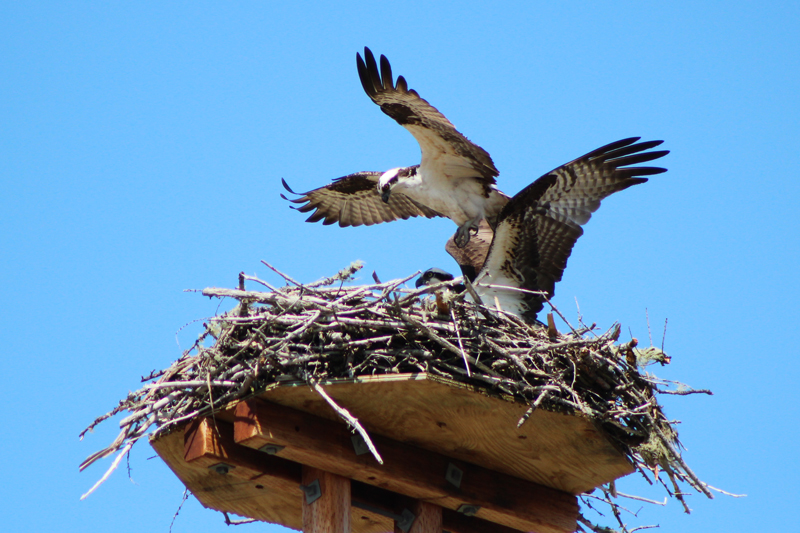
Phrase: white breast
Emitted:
{"points": [[459, 199]]}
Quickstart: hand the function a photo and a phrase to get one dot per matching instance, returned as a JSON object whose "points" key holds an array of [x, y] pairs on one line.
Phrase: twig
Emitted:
{"points": [[460, 344], [281, 274], [724, 492], [350, 419], [188, 384], [178, 510], [343, 275], [113, 467], [639, 498], [533, 407]]}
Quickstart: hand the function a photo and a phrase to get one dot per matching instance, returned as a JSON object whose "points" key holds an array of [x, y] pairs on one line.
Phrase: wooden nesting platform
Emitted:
{"points": [[442, 442]]}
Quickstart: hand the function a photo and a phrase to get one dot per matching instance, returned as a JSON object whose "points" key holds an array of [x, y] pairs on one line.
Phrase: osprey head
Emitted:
{"points": [[393, 177], [432, 276]]}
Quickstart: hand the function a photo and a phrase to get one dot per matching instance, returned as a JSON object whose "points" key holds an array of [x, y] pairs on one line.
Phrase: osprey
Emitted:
{"points": [[435, 276], [455, 178], [537, 229]]}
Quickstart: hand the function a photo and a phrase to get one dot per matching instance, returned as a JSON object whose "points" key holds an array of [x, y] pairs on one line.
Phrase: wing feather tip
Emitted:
{"points": [[294, 201], [286, 186], [386, 74]]}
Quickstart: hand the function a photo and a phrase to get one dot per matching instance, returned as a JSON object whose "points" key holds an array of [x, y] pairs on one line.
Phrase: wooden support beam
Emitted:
{"points": [[390, 503], [208, 443], [259, 486], [427, 519], [326, 503], [411, 471], [456, 522]]}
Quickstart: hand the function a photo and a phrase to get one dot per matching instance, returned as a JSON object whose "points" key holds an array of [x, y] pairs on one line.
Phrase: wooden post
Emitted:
{"points": [[428, 519], [330, 511]]}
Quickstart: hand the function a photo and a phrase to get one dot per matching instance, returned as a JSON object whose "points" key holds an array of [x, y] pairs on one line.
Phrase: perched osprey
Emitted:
{"points": [[537, 229], [434, 276], [455, 179]]}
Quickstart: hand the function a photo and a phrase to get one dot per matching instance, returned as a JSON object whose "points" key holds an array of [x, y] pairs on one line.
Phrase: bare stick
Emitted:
{"points": [[178, 510], [113, 467], [260, 281], [281, 274], [343, 275], [350, 419], [460, 344]]}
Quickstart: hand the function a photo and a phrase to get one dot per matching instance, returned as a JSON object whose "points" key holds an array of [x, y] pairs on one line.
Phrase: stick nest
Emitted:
{"points": [[326, 330]]}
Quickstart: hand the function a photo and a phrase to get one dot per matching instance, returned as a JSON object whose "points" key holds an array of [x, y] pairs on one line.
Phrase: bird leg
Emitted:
{"points": [[463, 233]]}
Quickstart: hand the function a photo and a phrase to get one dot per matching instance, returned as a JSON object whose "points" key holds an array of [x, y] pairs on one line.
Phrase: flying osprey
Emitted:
{"points": [[455, 179], [537, 229]]}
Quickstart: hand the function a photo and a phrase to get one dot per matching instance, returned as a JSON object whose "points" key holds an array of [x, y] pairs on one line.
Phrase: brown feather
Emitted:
{"points": [[354, 200], [410, 111], [538, 228]]}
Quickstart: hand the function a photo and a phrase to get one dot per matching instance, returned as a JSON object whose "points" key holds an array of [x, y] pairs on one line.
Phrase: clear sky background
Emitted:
{"points": [[142, 146]]}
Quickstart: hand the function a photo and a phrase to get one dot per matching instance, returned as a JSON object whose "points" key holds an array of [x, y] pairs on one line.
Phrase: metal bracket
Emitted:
{"points": [[312, 491], [404, 521], [221, 468], [359, 444], [271, 449], [468, 509], [454, 475]]}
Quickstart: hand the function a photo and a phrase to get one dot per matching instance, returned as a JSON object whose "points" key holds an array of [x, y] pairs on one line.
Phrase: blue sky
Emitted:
{"points": [[142, 147]]}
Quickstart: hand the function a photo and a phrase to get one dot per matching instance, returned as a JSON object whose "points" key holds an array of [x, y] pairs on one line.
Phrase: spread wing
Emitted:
{"points": [[354, 200], [445, 151], [539, 226], [472, 256]]}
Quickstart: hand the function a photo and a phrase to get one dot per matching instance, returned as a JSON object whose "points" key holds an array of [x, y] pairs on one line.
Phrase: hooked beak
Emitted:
{"points": [[385, 195]]}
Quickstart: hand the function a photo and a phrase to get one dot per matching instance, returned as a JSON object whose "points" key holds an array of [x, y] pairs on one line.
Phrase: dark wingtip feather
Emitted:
{"points": [[386, 73], [648, 171], [363, 75], [619, 144], [650, 144], [632, 149], [368, 55], [286, 186], [294, 201], [372, 72], [617, 154], [316, 216], [604, 150], [636, 158], [401, 85]]}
